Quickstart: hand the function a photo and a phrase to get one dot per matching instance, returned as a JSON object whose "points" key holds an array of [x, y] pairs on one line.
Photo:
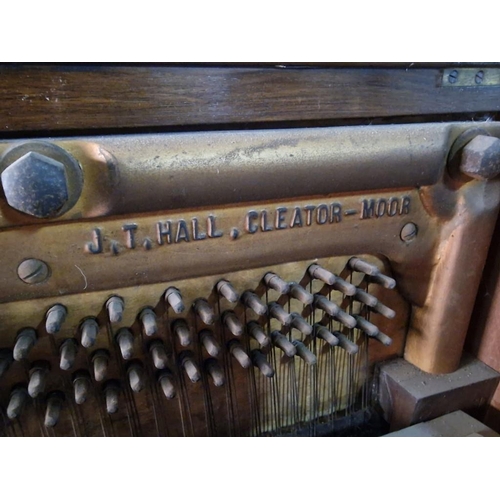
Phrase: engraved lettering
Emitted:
{"points": [[405, 206], [280, 218], [114, 248], [335, 212], [381, 206], [322, 214], [212, 229], [147, 244], [264, 223], [296, 218], [250, 225], [164, 230], [130, 229], [95, 246], [197, 234], [309, 210], [393, 208], [182, 231], [368, 209]]}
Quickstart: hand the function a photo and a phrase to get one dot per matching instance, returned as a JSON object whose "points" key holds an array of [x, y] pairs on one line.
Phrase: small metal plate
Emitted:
{"points": [[471, 77]]}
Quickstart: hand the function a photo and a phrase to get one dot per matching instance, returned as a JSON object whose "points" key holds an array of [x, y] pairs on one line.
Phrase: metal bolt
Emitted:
{"points": [[33, 271], [40, 179], [481, 158], [409, 232], [453, 76], [479, 77], [36, 185]]}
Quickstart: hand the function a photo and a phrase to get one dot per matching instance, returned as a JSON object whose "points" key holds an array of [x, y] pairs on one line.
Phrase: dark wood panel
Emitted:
{"points": [[99, 97]]}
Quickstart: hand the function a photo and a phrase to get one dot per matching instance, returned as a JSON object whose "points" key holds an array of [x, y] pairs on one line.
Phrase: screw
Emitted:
{"points": [[33, 271], [409, 232], [479, 77], [453, 76]]}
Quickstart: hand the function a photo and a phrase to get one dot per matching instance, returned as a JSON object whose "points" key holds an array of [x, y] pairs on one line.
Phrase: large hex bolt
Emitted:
{"points": [[35, 185], [481, 158], [40, 179]]}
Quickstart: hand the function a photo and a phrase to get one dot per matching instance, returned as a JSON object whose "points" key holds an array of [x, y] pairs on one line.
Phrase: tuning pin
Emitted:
{"points": [[174, 299], [260, 361], [115, 306], [5, 360], [304, 353], [372, 271], [346, 344], [68, 351], [369, 328], [236, 350], [383, 338], [301, 324], [204, 311], [148, 321], [187, 362], [89, 329], [135, 374], [18, 398], [322, 274], [111, 391], [283, 343], [356, 264], [384, 311], [276, 283], [344, 287], [326, 305], [54, 407], [325, 334], [166, 380], [209, 343], [251, 300], [334, 311], [181, 329], [301, 294], [365, 298], [55, 318], [232, 323], [38, 377], [215, 371], [225, 289], [100, 360], [385, 281], [125, 341], [159, 354], [81, 386], [256, 332], [277, 312], [24, 343]]}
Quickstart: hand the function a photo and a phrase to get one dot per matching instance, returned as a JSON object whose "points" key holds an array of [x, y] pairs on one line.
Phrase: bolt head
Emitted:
{"points": [[36, 185], [481, 158]]}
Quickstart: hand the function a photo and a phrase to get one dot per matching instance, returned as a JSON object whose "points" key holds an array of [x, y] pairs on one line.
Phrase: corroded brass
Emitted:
{"points": [[293, 241]]}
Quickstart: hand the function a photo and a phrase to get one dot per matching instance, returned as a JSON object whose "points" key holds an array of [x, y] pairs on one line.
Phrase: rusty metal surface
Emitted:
{"points": [[146, 173], [185, 211]]}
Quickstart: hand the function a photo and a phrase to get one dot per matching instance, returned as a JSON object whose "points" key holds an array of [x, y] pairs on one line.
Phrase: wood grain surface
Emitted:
{"points": [[68, 98]]}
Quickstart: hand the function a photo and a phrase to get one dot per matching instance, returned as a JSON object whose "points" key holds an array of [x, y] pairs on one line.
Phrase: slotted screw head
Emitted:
{"points": [[36, 185]]}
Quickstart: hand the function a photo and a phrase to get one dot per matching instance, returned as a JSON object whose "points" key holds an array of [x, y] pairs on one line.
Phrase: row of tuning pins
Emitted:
{"points": [[115, 305], [334, 311]]}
